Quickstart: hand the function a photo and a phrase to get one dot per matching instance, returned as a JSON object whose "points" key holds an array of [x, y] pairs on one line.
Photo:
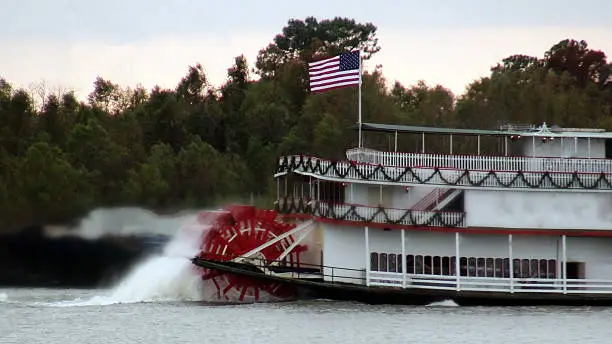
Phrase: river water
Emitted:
{"points": [[163, 301], [87, 316]]}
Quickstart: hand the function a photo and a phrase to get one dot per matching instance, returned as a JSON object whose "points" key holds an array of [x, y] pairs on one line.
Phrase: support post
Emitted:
{"points": [[510, 263], [451, 144], [589, 147], [396, 141], [478, 138], [457, 262], [367, 256], [564, 262], [506, 145], [403, 258], [359, 103]]}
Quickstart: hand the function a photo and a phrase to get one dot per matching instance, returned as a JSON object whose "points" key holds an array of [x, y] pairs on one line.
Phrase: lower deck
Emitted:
{"points": [[506, 263]]}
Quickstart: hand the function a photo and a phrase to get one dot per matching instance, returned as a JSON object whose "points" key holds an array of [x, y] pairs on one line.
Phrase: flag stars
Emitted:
{"points": [[349, 61]]}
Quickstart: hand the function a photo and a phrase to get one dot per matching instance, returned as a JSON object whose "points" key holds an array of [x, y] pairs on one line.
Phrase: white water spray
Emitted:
{"points": [[3, 297], [444, 303], [169, 276]]}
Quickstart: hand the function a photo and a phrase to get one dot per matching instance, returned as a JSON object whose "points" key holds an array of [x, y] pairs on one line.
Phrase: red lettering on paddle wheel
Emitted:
{"points": [[234, 232]]}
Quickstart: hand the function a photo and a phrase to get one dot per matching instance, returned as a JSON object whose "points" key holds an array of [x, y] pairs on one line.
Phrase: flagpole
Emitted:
{"points": [[359, 101]]}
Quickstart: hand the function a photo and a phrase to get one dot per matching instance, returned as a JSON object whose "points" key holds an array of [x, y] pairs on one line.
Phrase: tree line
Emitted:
{"points": [[197, 145]]}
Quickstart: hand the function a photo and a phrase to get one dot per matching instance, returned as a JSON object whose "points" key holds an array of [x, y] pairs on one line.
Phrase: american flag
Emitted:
{"points": [[335, 72]]}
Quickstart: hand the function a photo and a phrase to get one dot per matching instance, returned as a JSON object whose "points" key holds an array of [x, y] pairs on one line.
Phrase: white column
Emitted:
{"points": [[403, 258], [451, 144], [589, 147], [506, 145], [564, 262], [396, 141], [457, 262], [478, 144], [510, 263], [367, 256], [575, 146]]}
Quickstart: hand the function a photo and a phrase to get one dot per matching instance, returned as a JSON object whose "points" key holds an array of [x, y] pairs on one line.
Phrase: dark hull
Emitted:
{"points": [[384, 295]]}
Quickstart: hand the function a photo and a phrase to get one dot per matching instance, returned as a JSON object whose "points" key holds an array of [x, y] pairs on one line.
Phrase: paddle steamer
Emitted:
{"points": [[529, 225]]}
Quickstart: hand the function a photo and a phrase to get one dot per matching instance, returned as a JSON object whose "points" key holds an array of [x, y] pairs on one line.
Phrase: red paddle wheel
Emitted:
{"points": [[237, 231]]}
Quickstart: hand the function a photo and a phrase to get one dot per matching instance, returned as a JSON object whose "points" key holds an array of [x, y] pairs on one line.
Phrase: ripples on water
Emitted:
{"points": [[32, 316]]}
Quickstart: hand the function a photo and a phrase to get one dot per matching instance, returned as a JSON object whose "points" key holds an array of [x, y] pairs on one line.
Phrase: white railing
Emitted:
{"points": [[354, 212], [490, 284], [477, 162], [348, 171]]}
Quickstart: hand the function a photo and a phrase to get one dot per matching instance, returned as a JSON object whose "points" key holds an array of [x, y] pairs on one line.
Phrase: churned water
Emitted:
{"points": [[163, 301]]}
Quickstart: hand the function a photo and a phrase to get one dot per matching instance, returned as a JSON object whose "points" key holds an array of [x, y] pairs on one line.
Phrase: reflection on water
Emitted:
{"points": [[29, 317]]}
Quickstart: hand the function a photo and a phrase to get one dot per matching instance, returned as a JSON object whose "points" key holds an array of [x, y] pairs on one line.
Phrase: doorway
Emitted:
{"points": [[576, 270]]}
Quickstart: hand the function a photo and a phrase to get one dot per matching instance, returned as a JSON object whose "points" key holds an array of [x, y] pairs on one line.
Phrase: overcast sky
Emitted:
{"points": [[68, 43]]}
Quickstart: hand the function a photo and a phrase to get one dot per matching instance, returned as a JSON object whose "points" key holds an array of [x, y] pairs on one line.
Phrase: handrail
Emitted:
{"points": [[363, 213], [476, 162], [490, 284], [332, 274], [451, 176], [435, 194]]}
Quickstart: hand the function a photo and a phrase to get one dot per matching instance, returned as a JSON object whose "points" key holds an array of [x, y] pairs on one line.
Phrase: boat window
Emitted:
{"points": [[480, 267], [410, 262], [506, 268], [469, 266], [392, 262], [400, 263], [418, 264], [525, 273], [463, 265], [490, 267], [427, 263], [535, 269], [552, 269], [499, 267], [472, 267], [374, 261], [446, 266], [516, 266], [437, 265], [382, 262]]}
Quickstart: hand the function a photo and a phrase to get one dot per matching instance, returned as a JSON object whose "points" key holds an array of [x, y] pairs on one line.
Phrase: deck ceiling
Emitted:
{"points": [[394, 128]]}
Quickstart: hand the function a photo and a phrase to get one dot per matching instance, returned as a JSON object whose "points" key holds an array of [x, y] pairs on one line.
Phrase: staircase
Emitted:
{"points": [[437, 199]]}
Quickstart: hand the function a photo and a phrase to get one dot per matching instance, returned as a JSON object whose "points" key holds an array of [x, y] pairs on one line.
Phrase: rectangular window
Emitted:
{"points": [[437, 265], [374, 261], [383, 262], [392, 262], [427, 263], [400, 263], [410, 262], [446, 266], [418, 265]]}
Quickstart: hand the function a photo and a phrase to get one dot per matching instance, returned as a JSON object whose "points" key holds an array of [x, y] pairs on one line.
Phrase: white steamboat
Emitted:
{"points": [[530, 225]]}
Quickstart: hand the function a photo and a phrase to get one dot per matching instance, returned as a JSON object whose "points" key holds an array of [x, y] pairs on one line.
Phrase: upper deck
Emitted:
{"points": [[530, 157]]}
